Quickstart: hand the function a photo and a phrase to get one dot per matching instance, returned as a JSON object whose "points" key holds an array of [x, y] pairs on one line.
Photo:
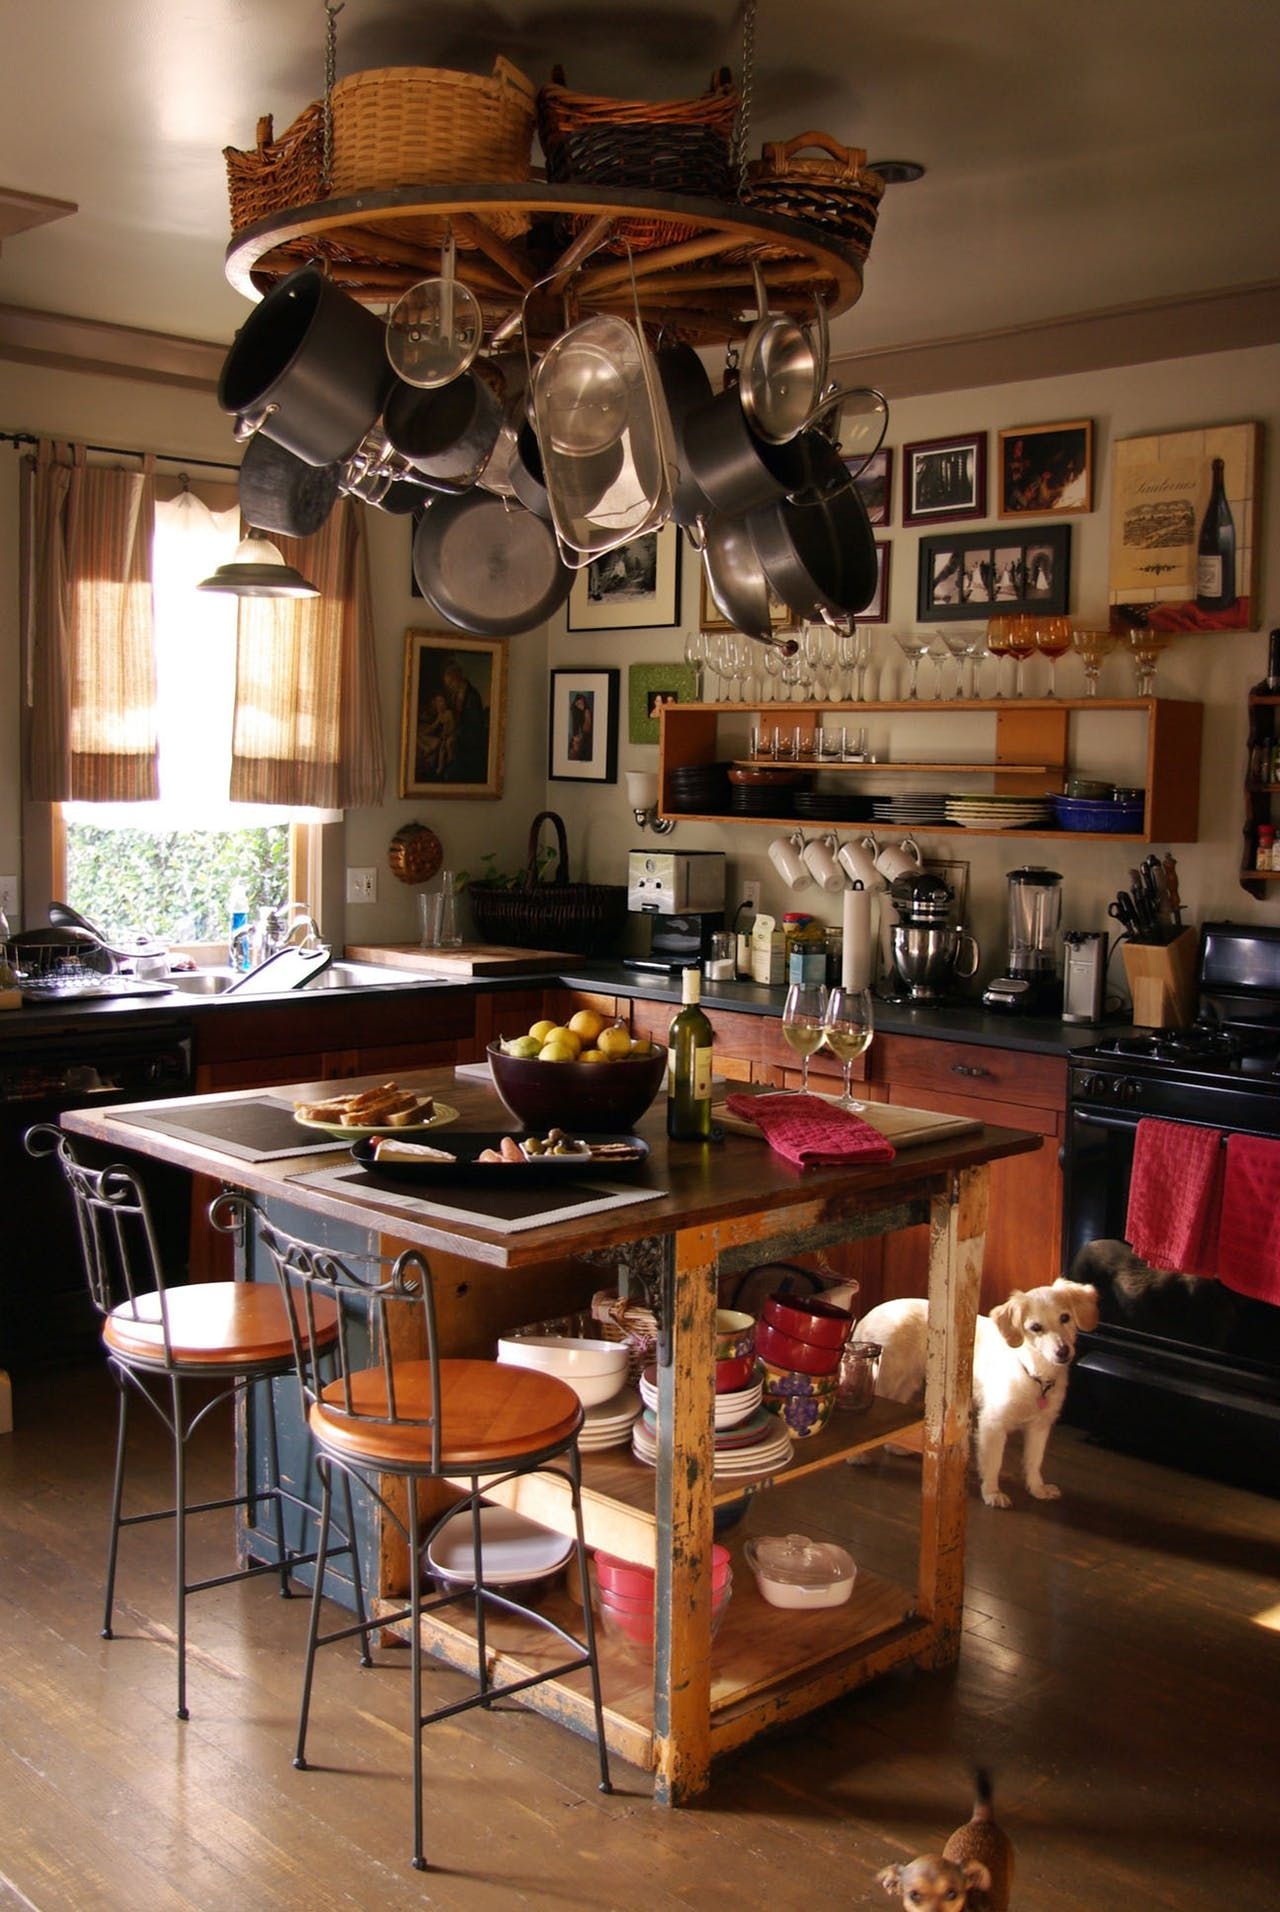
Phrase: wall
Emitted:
{"points": [[1124, 402]]}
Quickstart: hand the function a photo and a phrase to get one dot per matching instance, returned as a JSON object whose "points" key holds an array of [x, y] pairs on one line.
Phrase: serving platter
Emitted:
{"points": [[626, 1154], [440, 1119]]}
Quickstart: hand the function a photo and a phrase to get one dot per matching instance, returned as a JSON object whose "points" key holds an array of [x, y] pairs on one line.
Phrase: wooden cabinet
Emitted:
{"points": [[1031, 746], [333, 1035], [1261, 789]]}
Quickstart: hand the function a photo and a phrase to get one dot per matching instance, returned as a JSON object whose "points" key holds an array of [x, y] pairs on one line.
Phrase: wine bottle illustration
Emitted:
{"points": [[1216, 550]]}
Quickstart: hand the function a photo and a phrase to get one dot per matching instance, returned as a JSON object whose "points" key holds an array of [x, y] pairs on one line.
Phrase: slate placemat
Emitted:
{"points": [[506, 1211], [257, 1131]]}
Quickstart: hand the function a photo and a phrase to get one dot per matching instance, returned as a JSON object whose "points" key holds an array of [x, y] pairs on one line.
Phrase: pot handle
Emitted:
{"points": [[249, 424]]}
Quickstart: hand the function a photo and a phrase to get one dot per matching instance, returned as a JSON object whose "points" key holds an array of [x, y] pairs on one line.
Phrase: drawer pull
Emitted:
{"points": [[968, 1069]]}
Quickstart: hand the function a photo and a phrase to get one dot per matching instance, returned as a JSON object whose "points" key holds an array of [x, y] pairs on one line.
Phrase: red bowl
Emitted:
{"points": [[634, 1620], [782, 1350], [735, 1373], [818, 1322], [623, 1580]]}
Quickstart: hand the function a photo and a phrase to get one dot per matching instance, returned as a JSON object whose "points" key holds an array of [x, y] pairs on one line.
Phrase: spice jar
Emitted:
{"points": [[856, 1386], [1264, 858]]}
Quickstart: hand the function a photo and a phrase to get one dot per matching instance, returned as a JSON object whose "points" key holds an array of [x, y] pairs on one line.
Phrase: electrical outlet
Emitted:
{"points": [[751, 895], [9, 896], [362, 886]]}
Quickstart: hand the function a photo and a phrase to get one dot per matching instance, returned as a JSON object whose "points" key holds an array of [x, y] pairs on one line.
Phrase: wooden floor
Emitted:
{"points": [[1120, 1674]]}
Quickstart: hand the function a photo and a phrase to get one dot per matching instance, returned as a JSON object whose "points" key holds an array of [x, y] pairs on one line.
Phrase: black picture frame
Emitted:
{"points": [[968, 575], [945, 479], [873, 482], [582, 726]]}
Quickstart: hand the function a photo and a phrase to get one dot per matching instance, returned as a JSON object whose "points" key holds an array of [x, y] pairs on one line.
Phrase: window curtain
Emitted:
{"points": [[308, 729], [89, 625]]}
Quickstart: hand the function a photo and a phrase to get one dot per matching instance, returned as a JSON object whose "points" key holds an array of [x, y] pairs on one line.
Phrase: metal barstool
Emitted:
{"points": [[392, 1407], [163, 1341]]}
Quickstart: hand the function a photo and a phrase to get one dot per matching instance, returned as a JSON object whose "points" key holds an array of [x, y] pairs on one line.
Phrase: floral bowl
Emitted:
{"points": [[801, 1414], [778, 1381]]}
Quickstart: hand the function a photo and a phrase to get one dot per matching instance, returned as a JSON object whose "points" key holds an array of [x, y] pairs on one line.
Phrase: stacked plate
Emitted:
{"points": [[765, 790], [999, 813], [610, 1423], [699, 788], [831, 806], [515, 1550], [731, 1409], [760, 1445], [918, 807]]}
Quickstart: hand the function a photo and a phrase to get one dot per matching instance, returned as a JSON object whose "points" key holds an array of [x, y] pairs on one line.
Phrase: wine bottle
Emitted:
{"points": [[689, 1041], [1216, 551]]}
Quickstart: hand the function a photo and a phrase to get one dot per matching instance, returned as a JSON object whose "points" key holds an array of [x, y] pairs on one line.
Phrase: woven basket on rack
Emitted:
{"points": [[620, 1319], [672, 146], [839, 193], [585, 918], [277, 174], [427, 126]]}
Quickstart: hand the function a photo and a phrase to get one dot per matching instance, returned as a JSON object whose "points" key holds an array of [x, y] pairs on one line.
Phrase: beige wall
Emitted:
{"points": [[1135, 399]]}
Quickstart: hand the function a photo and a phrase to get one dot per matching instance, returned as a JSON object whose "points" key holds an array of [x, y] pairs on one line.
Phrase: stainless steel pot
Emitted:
{"points": [[447, 433], [930, 957]]}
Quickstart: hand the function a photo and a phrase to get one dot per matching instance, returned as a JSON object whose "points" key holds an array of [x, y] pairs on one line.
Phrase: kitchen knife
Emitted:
{"points": [[1170, 868], [1143, 914]]}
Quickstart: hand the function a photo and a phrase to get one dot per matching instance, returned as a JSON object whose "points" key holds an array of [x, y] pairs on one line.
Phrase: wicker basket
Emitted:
{"points": [[277, 174], [673, 146], [584, 918], [839, 193], [620, 1319], [426, 126]]}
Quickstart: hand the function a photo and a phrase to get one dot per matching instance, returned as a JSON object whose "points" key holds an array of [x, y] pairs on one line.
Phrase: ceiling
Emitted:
{"points": [[1106, 154]]}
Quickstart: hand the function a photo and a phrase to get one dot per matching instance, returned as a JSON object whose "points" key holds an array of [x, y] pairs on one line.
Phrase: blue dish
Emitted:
{"points": [[1099, 816]]}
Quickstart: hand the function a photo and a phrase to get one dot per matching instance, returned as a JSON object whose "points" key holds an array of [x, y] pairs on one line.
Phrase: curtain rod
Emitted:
{"points": [[124, 451]]}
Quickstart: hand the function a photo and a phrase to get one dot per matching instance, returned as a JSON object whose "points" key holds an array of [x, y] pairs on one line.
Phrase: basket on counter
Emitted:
{"points": [[277, 174], [838, 192], [584, 918], [671, 146]]}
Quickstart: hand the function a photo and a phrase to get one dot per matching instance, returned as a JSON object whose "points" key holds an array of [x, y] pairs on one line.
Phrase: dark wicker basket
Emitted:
{"points": [[584, 918]]}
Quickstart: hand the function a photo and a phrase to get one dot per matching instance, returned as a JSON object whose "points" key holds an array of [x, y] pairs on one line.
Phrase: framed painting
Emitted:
{"points": [[873, 482], [582, 744], [1046, 468], [944, 479], [453, 715], [1184, 514], [977, 574], [649, 686], [877, 612], [636, 587]]}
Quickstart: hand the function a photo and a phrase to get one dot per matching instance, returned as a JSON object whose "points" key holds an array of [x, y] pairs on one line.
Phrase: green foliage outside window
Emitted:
{"points": [[173, 883]]}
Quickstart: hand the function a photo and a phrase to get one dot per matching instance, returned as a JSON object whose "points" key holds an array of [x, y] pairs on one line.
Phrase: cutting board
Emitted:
{"points": [[905, 1128], [480, 959]]}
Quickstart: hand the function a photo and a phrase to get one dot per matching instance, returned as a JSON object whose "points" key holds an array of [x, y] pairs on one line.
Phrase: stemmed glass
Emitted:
{"points": [[847, 1032], [1091, 647], [956, 645], [1052, 640], [804, 1016], [1145, 646], [1011, 637], [695, 656], [914, 645]]}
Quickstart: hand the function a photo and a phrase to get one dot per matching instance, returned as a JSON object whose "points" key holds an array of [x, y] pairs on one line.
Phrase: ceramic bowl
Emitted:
{"points": [[802, 1414], [785, 1351], [735, 1373], [585, 1098], [792, 1571], [735, 1334], [631, 1582], [789, 1381], [633, 1619], [595, 1370], [812, 1320]]}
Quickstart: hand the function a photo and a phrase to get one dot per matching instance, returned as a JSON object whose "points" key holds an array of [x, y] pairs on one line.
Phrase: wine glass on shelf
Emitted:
{"points": [[955, 645], [1014, 637], [914, 645], [1052, 640], [803, 1023], [847, 1031], [997, 646], [1092, 648], [695, 656], [1145, 646]]}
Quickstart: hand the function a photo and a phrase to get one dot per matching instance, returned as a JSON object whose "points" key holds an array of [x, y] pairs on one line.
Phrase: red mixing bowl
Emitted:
{"points": [[809, 1319], [783, 1350]]}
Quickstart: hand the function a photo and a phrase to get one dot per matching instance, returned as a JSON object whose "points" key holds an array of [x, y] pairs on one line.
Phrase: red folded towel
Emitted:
{"points": [[1175, 1194], [1249, 1238], [809, 1132]]}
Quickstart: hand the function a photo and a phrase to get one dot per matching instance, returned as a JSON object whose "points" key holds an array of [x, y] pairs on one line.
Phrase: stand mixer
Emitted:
{"points": [[930, 952], [1032, 985]]}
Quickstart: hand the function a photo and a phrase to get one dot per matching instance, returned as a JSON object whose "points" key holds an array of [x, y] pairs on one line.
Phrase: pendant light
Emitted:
{"points": [[258, 569]]}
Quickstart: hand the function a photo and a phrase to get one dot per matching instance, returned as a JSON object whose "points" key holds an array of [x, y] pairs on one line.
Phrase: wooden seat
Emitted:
{"points": [[389, 1405], [161, 1341]]}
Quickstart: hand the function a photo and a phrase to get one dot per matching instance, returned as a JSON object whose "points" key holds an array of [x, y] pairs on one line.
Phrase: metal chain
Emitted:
{"points": [[330, 75], [743, 123]]}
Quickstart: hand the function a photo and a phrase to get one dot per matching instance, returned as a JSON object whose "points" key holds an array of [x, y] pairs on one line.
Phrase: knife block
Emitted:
{"points": [[1161, 980]]}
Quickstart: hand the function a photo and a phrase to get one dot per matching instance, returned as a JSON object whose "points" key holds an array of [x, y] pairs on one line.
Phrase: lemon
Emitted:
{"points": [[614, 1041], [541, 1030], [586, 1023], [525, 1047], [557, 1052], [641, 1046], [593, 1055], [565, 1036]]}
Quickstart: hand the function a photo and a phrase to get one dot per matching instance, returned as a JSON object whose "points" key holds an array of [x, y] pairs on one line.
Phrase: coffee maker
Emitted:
{"points": [[1032, 985], [682, 894]]}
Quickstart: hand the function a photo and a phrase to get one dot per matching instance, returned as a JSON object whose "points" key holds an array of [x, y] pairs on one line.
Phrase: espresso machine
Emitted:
{"points": [[1031, 985], [682, 893]]}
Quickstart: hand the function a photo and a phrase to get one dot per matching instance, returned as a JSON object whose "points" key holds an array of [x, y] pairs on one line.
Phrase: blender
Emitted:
{"points": [[1031, 985]]}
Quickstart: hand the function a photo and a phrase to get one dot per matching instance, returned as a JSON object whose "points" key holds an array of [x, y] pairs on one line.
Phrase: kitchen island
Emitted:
{"points": [[708, 1209]]}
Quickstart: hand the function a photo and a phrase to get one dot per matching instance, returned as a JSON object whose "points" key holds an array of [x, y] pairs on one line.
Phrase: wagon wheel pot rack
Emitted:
{"points": [[697, 289]]}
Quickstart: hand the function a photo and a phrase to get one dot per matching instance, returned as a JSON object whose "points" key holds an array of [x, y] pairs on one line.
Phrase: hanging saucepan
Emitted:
{"points": [[510, 379], [448, 434], [782, 370], [527, 482], [731, 465], [817, 548], [488, 566], [308, 368], [685, 385], [281, 492]]}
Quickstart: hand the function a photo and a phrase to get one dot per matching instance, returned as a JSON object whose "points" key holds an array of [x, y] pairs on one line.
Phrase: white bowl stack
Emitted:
{"points": [[595, 1370]]}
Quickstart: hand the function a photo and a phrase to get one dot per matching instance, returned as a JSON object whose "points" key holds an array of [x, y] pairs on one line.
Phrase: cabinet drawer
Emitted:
{"points": [[970, 1069]]}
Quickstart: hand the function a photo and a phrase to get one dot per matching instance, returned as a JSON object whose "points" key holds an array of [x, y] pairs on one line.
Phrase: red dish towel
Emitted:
{"points": [[1175, 1195], [1249, 1240], [810, 1132]]}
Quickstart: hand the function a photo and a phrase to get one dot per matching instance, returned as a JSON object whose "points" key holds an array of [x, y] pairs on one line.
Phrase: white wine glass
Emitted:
{"points": [[804, 1016], [847, 1031]]}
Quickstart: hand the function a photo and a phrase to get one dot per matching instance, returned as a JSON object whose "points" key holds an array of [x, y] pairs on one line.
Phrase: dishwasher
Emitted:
{"points": [[46, 1317]]}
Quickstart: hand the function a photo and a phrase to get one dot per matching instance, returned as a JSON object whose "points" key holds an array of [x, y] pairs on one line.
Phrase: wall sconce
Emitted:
{"points": [[642, 795]]}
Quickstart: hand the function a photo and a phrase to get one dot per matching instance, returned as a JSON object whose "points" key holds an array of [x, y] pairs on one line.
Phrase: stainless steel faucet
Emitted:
{"points": [[283, 923]]}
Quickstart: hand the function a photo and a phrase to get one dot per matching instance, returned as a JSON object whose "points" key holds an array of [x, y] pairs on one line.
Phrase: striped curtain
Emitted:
{"points": [[89, 629]]}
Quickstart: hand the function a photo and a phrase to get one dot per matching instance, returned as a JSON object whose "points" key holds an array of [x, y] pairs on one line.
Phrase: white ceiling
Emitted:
{"points": [[1095, 155]]}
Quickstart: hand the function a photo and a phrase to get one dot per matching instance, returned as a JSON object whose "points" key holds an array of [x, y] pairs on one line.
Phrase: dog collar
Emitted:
{"points": [[1046, 1387]]}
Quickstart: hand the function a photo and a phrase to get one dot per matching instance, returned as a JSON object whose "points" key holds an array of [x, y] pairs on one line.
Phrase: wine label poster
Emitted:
{"points": [[1183, 511]]}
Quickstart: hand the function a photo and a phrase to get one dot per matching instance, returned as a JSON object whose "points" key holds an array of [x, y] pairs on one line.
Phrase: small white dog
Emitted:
{"points": [[1021, 1359]]}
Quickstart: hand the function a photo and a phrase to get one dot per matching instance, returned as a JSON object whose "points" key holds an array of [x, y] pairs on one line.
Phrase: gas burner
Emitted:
{"points": [[1201, 1044]]}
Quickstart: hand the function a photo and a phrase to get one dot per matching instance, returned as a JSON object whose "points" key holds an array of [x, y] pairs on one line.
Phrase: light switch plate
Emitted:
{"points": [[362, 886], [751, 894]]}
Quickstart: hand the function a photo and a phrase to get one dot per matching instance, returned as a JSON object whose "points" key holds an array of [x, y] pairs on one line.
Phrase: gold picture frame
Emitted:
{"points": [[453, 715], [1162, 488]]}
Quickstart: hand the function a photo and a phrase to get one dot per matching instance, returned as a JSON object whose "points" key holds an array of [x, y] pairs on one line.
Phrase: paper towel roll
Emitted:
{"points": [[857, 951]]}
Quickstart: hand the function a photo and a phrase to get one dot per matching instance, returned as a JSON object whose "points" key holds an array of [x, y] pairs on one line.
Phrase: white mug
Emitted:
{"points": [[819, 856], [893, 863], [858, 861], [785, 855]]}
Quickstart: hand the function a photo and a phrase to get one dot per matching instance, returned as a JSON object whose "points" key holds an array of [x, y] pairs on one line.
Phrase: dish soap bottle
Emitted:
{"points": [[239, 954], [689, 1041]]}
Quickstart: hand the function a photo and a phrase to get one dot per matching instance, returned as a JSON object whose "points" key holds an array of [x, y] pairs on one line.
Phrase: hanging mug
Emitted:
{"points": [[893, 863], [820, 861], [785, 854], [858, 861]]}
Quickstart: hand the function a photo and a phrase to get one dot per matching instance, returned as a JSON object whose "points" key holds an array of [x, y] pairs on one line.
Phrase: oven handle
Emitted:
{"points": [[1127, 1123]]}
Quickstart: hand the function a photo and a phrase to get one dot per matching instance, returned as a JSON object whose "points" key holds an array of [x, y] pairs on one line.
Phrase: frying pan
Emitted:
{"points": [[816, 548], [488, 566], [281, 492], [685, 384]]}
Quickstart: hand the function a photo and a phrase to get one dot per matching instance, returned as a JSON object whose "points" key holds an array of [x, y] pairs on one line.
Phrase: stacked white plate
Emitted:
{"points": [[609, 1424], [513, 1548], [760, 1445], [919, 807], [731, 1409], [998, 813]]}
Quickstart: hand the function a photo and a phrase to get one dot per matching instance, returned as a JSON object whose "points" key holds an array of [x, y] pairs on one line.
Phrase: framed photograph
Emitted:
{"points": [[453, 718], [877, 612], [1184, 516], [649, 686], [1046, 468], [582, 744], [944, 478], [975, 574], [874, 485], [636, 587]]}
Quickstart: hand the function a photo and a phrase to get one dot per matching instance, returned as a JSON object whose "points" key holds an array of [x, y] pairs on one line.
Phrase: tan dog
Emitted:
{"points": [[974, 1873], [1021, 1358]]}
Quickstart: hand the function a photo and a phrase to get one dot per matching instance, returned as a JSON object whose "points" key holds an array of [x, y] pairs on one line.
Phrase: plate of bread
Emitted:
{"points": [[386, 1110]]}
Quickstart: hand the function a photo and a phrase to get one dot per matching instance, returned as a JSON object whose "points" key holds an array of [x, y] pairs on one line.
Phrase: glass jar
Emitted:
{"points": [[856, 1385], [804, 947]]}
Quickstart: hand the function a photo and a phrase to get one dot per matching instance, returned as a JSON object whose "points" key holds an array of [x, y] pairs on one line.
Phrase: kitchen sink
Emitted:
{"points": [[340, 975], [201, 982]]}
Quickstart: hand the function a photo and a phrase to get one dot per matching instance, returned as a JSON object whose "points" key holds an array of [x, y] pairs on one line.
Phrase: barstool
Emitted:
{"points": [[391, 1406], [160, 1340]]}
